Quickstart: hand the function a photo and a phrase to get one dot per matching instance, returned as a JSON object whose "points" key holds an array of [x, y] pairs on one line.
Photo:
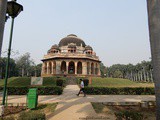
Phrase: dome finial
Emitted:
{"points": [[71, 35]]}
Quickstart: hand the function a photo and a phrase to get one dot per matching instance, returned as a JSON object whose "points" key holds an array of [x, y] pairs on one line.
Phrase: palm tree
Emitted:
{"points": [[154, 30], [3, 4]]}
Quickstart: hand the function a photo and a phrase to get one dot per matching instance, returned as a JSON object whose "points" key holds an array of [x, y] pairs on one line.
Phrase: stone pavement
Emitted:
{"points": [[72, 107]]}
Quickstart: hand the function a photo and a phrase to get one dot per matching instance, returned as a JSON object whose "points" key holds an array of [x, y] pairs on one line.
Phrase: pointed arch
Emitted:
{"points": [[63, 67], [71, 68], [79, 68]]}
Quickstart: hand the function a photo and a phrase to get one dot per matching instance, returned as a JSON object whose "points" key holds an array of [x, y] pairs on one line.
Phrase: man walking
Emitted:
{"points": [[81, 88]]}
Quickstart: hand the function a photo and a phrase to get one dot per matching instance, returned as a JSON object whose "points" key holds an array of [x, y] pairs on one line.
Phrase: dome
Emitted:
{"points": [[72, 39], [71, 45], [88, 47], [55, 47]]}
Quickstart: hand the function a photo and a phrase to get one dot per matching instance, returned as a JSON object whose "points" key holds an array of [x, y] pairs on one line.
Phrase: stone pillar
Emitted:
{"points": [[89, 68], [67, 64], [52, 67], [58, 67], [43, 69], [99, 72], [84, 67], [75, 63], [47, 67]]}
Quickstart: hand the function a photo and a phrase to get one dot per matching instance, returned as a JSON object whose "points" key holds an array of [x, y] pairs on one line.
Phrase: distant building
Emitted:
{"points": [[71, 57]]}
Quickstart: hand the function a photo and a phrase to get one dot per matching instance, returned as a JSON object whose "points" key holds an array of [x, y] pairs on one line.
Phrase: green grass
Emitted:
{"points": [[117, 82], [21, 81], [9, 80]]}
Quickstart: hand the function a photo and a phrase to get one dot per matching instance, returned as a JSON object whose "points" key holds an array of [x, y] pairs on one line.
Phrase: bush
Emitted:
{"points": [[86, 82], [49, 81], [59, 82], [32, 115], [41, 90], [129, 115], [119, 91]]}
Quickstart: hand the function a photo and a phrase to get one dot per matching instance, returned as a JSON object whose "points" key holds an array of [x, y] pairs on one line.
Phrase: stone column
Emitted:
{"points": [[84, 67], [43, 68], [52, 67], [89, 68], [58, 67], [75, 63], [99, 72], [47, 67], [67, 64]]}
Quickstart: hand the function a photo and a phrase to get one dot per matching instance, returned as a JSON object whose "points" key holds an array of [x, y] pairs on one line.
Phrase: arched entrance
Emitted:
{"points": [[63, 67], [71, 68], [88, 68], [79, 68]]}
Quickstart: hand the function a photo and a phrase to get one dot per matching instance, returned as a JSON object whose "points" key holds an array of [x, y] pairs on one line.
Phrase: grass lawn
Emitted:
{"points": [[117, 82], [9, 80], [108, 112]]}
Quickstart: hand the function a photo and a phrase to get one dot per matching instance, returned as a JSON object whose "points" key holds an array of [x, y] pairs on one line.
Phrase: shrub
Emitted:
{"points": [[59, 82], [32, 115], [86, 82], [119, 91], [56, 90], [129, 115], [49, 81]]}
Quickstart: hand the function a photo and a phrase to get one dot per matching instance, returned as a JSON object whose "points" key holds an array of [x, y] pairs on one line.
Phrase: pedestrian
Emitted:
{"points": [[81, 88]]}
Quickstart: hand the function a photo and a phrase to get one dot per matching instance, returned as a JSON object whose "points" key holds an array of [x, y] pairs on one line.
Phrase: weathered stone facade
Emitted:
{"points": [[71, 57]]}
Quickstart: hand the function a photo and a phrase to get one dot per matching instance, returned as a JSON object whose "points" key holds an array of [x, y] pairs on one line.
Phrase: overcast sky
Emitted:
{"points": [[116, 29]]}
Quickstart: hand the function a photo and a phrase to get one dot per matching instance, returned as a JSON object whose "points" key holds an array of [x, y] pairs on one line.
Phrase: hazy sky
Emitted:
{"points": [[116, 29]]}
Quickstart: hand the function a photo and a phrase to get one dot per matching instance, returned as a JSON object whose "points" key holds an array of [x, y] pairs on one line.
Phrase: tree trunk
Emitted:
{"points": [[154, 32], [22, 72], [3, 4]]}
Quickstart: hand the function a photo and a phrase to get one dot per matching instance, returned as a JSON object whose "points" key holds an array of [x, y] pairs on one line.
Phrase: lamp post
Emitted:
{"points": [[13, 9]]}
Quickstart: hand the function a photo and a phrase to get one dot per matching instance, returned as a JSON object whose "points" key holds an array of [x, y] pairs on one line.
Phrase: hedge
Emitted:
{"points": [[41, 90], [119, 91]]}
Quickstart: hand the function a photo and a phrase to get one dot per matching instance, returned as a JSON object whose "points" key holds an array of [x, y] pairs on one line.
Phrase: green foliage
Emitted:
{"points": [[86, 82], [49, 81], [41, 90], [119, 91], [129, 115], [32, 115], [59, 82], [13, 71]]}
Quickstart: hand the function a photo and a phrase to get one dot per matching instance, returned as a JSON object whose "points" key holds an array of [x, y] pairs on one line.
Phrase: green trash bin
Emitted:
{"points": [[32, 98]]}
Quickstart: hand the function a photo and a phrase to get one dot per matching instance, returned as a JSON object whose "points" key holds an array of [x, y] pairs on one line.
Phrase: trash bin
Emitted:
{"points": [[32, 98]]}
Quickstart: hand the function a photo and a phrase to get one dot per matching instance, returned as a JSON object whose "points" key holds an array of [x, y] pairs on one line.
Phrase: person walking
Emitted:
{"points": [[81, 88]]}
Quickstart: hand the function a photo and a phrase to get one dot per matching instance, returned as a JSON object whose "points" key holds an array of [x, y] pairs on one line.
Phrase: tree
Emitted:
{"points": [[103, 69], [154, 30], [12, 69], [24, 64]]}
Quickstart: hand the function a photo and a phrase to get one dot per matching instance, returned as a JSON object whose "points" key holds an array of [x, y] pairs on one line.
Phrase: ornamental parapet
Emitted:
{"points": [[70, 55]]}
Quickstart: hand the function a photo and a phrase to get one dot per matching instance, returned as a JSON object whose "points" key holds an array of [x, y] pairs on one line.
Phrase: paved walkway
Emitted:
{"points": [[71, 107]]}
